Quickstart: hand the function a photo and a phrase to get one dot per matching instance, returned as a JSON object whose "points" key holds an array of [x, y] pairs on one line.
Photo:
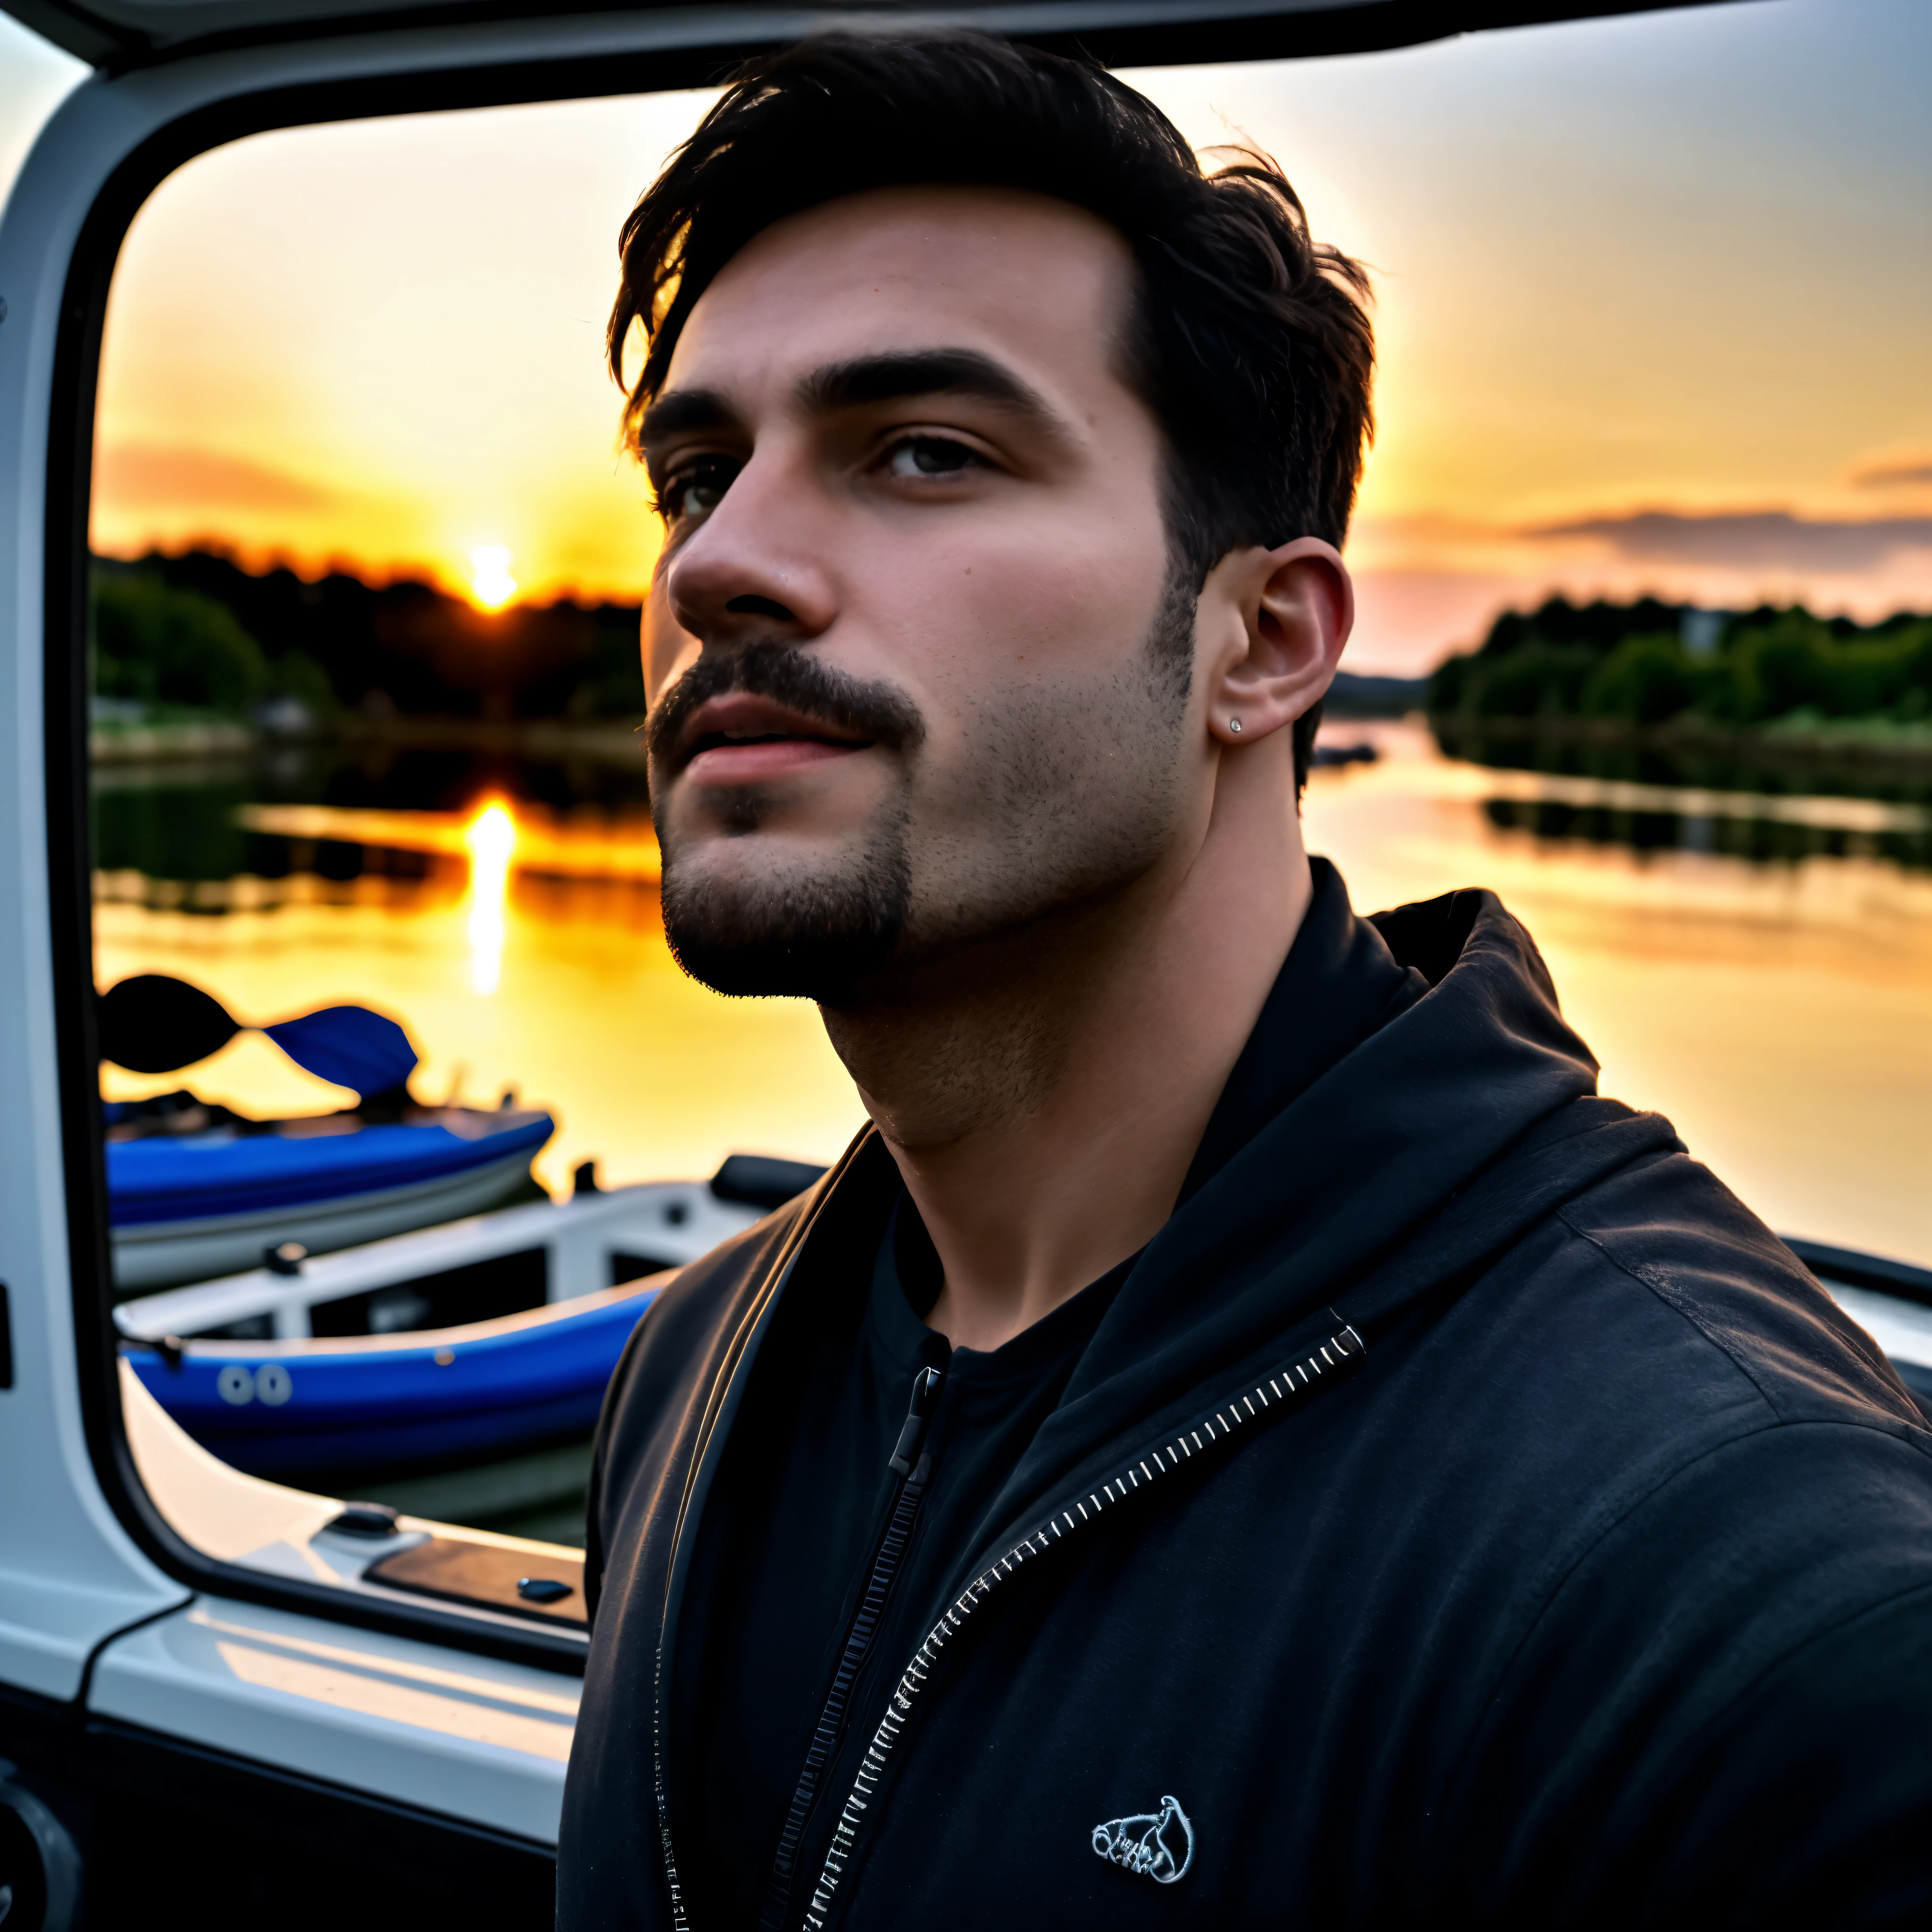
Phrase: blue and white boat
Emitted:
{"points": [[374, 1360], [185, 1206], [483, 1389]]}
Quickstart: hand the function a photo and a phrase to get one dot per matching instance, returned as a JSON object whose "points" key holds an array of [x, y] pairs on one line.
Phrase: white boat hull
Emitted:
{"points": [[159, 1254]]}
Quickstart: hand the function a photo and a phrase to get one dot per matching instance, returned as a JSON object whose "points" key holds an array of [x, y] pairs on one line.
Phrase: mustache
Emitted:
{"points": [[774, 668]]}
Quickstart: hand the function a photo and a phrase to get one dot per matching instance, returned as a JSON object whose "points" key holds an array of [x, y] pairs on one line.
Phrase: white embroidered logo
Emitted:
{"points": [[1159, 1844]]}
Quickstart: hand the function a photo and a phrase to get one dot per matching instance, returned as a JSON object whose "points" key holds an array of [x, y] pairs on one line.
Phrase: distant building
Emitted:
{"points": [[283, 717], [1699, 630]]}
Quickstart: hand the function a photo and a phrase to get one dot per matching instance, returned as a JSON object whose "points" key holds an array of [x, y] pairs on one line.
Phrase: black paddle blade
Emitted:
{"points": [[153, 1024]]}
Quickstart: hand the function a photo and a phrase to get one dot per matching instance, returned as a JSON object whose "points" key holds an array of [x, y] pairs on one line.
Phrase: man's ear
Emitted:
{"points": [[1285, 613]]}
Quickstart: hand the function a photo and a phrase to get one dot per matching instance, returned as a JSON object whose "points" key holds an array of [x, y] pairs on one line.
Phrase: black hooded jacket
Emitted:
{"points": [[1464, 1509]]}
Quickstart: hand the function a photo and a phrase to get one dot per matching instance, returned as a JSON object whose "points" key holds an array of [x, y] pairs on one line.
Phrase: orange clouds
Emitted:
{"points": [[138, 480]]}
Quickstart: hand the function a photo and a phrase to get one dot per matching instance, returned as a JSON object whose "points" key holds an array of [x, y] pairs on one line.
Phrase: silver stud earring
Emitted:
{"points": [[1235, 726]]}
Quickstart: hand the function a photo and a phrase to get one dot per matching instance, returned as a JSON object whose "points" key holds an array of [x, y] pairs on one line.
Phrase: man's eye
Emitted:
{"points": [[695, 489], [929, 456]]}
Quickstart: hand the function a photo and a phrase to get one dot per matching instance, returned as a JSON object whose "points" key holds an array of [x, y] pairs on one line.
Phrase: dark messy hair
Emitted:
{"points": [[1249, 341]]}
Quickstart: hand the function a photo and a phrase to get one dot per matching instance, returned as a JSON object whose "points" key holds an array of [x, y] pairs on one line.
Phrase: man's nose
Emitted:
{"points": [[754, 565]]}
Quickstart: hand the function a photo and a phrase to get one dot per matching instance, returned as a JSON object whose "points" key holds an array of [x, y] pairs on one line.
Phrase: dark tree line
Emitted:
{"points": [[1648, 662], [197, 633]]}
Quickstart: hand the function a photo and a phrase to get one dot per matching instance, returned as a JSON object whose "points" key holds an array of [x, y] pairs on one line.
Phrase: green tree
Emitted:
{"points": [[1778, 667], [172, 648], [1535, 680], [1627, 662], [1645, 680], [295, 674]]}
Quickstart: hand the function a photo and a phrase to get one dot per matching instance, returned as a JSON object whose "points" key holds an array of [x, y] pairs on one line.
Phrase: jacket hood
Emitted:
{"points": [[1395, 1175]]}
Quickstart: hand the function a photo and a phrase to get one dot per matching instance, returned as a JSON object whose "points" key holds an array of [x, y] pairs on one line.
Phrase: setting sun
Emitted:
{"points": [[490, 582]]}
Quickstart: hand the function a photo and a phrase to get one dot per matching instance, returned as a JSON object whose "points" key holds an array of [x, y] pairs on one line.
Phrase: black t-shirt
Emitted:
{"points": [[791, 1533]]}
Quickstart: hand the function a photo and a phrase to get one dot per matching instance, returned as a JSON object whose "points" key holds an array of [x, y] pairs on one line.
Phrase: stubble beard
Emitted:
{"points": [[790, 932], [796, 929], [1070, 793]]}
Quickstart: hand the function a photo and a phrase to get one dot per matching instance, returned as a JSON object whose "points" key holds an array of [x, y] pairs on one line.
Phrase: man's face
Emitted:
{"points": [[917, 674]]}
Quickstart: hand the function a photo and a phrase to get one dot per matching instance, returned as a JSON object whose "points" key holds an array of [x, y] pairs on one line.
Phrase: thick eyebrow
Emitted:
{"points": [[679, 410], [889, 377], [895, 375]]}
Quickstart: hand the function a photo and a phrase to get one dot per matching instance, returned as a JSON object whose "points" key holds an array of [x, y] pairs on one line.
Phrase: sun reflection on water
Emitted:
{"points": [[491, 837]]}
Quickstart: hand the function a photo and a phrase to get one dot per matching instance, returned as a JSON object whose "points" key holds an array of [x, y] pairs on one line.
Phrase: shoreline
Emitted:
{"points": [[1874, 746], [536, 738], [1855, 744]]}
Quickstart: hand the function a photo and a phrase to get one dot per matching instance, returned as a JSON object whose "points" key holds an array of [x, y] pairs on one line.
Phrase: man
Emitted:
{"points": [[1246, 1437]]}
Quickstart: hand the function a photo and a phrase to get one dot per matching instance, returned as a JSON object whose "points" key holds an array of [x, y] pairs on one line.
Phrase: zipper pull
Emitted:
{"points": [[925, 1393]]}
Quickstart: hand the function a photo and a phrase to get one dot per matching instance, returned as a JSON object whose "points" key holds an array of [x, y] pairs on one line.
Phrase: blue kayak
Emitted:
{"points": [[193, 1177], [200, 1193], [291, 1409]]}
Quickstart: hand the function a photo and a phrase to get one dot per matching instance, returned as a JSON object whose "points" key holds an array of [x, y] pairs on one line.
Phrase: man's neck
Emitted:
{"points": [[1044, 1097]]}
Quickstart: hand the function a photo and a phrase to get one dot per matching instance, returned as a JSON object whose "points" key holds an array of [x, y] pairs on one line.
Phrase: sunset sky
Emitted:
{"points": [[1654, 307]]}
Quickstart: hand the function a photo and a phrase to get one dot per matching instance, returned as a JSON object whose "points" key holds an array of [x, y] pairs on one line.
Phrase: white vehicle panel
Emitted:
{"points": [[477, 1738]]}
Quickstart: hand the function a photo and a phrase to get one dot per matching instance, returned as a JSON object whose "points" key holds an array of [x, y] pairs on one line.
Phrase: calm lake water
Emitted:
{"points": [[1759, 968]]}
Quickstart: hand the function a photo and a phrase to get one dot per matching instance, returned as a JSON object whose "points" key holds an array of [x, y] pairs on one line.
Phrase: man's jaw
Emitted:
{"points": [[739, 738]]}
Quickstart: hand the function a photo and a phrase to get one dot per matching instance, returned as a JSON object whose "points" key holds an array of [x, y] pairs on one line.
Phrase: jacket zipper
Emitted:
{"points": [[1134, 1475], [914, 1468]]}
